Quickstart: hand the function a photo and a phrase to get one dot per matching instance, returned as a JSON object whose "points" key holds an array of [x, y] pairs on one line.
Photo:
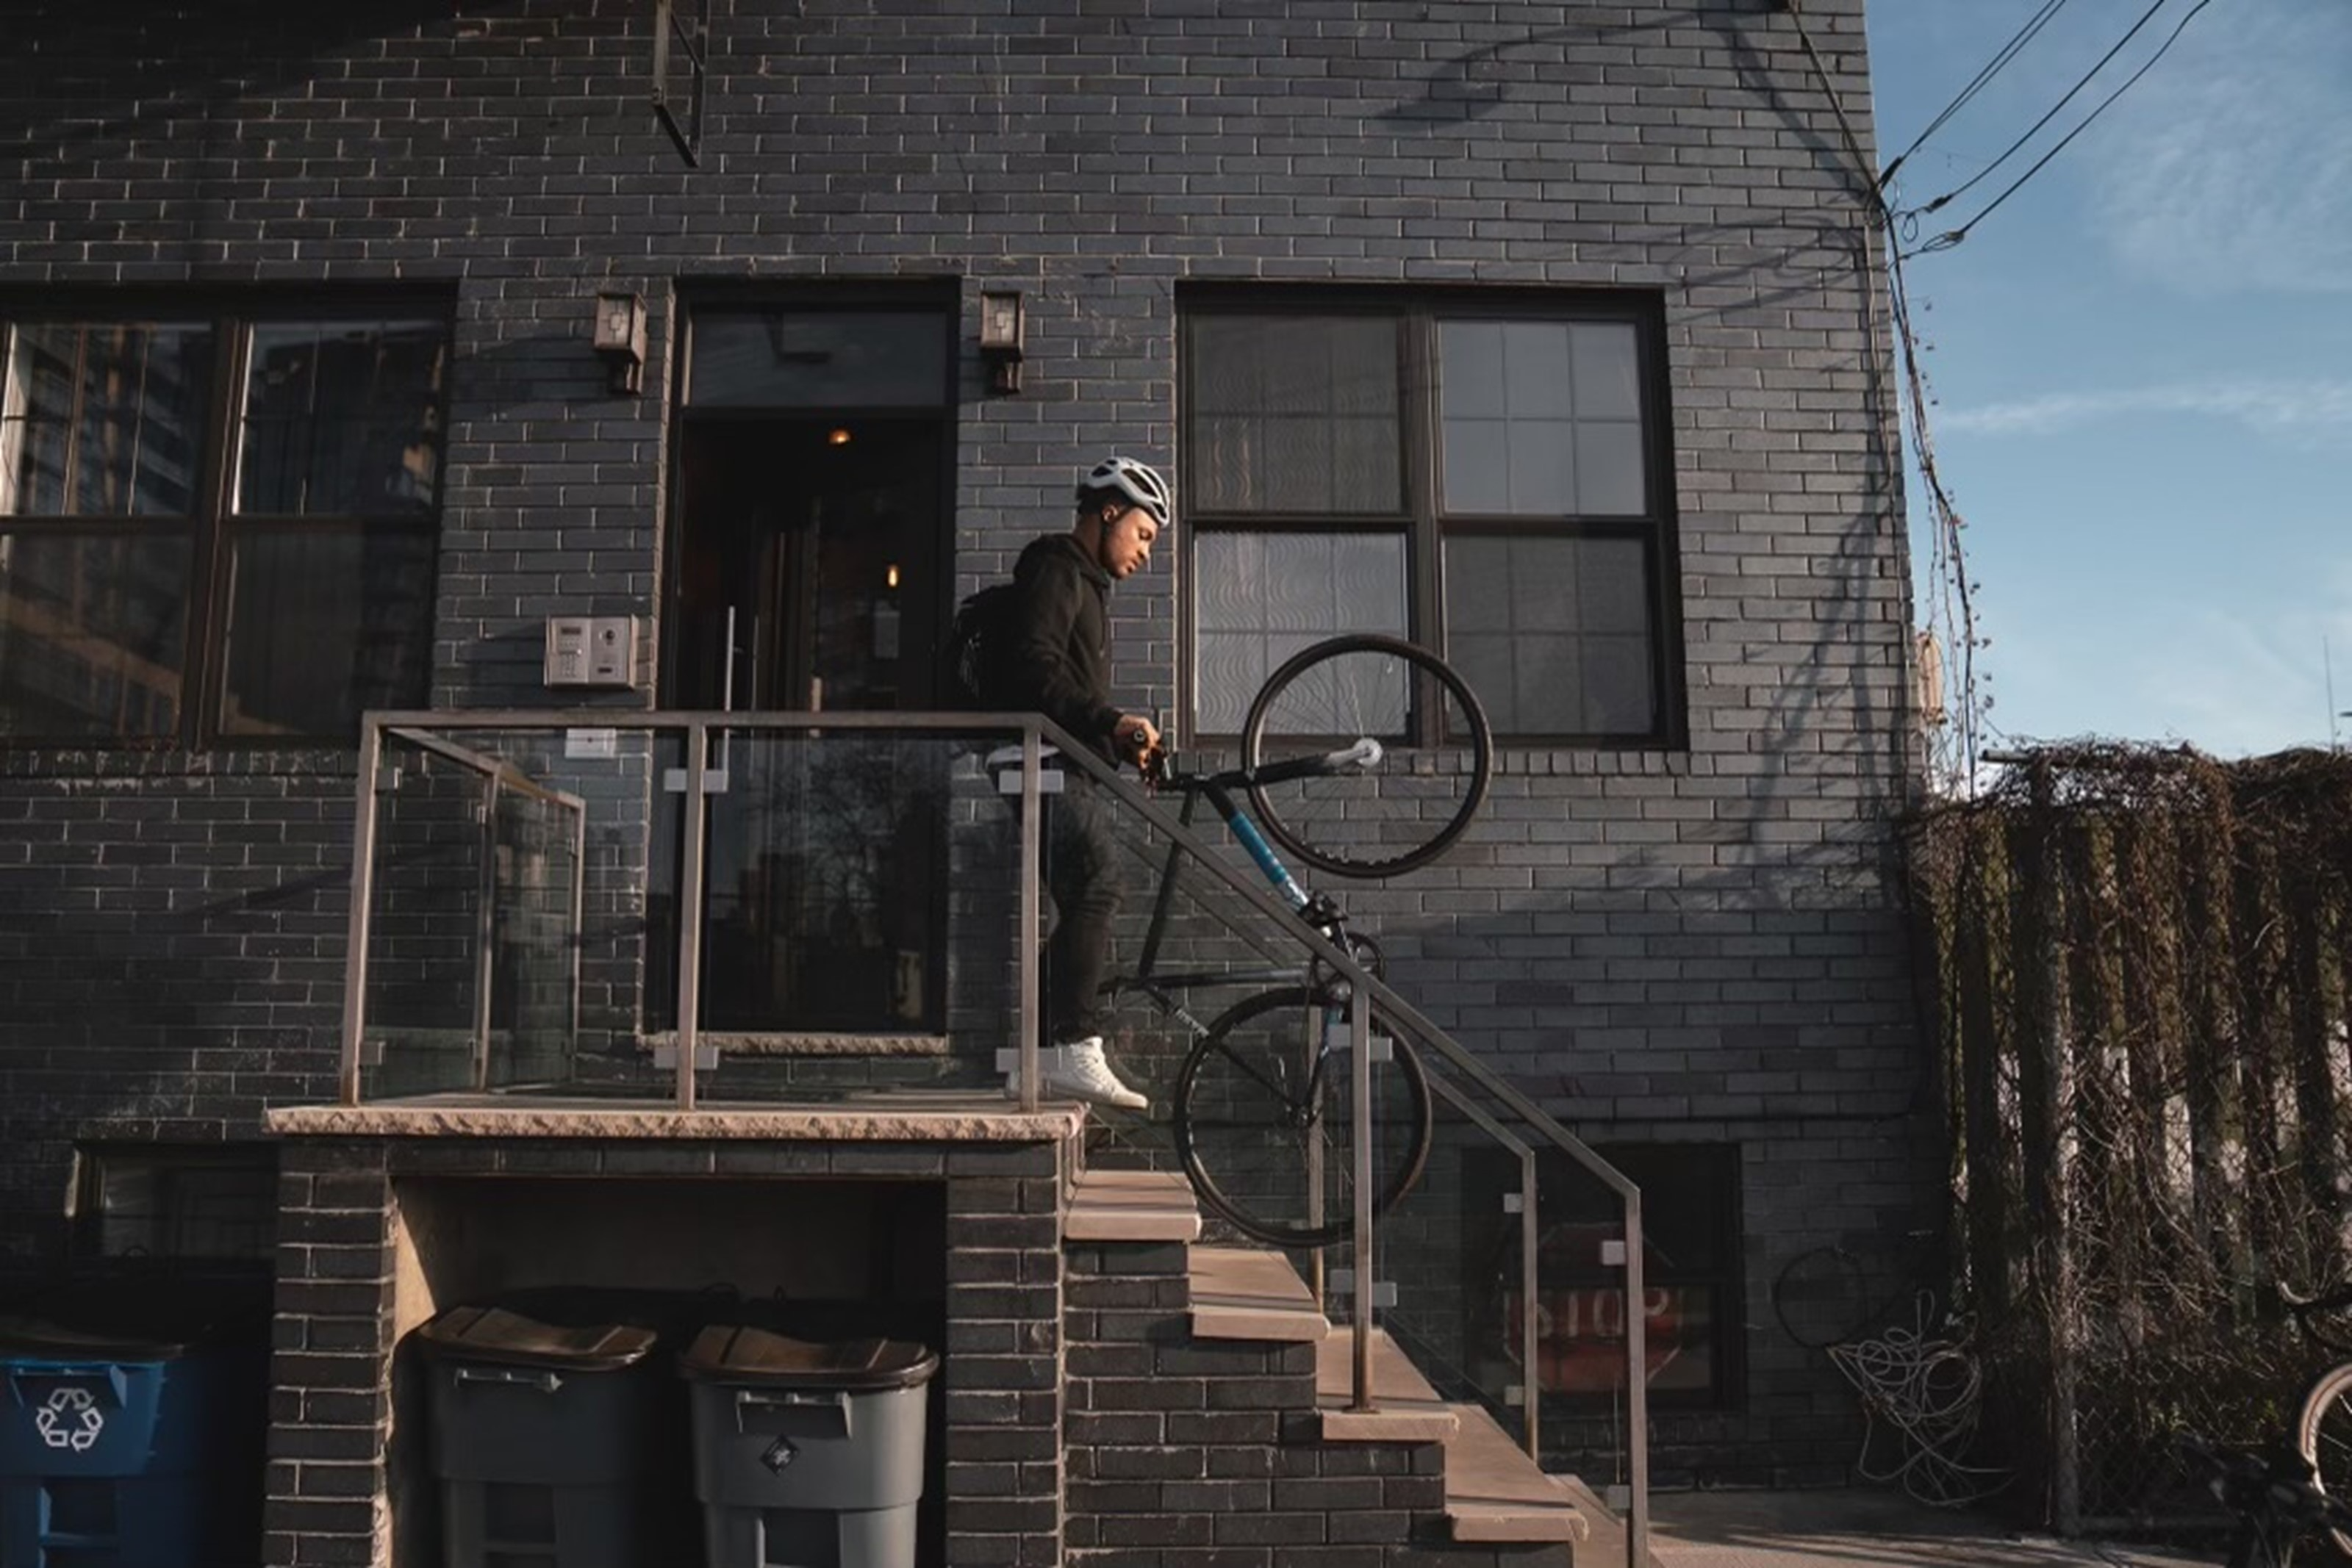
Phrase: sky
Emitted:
{"points": [[2141, 362]]}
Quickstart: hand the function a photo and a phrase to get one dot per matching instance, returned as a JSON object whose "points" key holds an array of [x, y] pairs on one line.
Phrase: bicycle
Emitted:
{"points": [[2323, 1425], [2277, 1498], [1262, 1104]]}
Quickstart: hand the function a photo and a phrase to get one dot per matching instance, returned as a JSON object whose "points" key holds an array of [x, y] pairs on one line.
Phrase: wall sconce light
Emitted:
{"points": [[620, 341], [999, 338]]}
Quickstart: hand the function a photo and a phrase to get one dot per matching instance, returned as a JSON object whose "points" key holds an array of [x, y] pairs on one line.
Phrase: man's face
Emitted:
{"points": [[1127, 541]]}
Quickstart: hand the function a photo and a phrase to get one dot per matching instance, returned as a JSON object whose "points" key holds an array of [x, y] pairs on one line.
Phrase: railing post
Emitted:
{"points": [[689, 902], [1359, 1088], [1637, 1392], [1033, 815], [575, 930], [355, 960], [486, 931], [1530, 1279]]}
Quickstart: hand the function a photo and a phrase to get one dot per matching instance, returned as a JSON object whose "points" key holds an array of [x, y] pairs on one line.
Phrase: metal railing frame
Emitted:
{"points": [[1036, 731]]}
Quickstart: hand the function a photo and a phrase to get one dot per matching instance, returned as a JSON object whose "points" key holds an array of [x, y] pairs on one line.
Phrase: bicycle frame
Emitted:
{"points": [[1218, 789]]}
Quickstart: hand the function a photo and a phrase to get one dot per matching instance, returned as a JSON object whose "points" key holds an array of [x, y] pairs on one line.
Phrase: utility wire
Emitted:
{"points": [[2035, 128], [1873, 200], [1983, 78], [1948, 240]]}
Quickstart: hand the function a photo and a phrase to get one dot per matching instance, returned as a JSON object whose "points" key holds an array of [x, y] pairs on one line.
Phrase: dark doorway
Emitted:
{"points": [[807, 578]]}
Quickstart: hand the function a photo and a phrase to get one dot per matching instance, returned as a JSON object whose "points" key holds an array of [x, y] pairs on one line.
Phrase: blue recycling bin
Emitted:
{"points": [[125, 1450]]}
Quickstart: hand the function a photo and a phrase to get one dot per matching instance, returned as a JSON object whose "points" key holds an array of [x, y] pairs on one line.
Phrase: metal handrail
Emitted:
{"points": [[1037, 731]]}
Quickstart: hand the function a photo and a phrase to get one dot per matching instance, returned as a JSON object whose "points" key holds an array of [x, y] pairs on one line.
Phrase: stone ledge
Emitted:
{"points": [[896, 1119]]}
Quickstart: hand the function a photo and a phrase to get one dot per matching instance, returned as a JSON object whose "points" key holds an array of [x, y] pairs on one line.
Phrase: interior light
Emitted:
{"points": [[837, 437], [890, 575]]}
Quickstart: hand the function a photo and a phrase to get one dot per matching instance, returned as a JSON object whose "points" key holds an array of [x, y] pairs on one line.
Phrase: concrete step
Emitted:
{"points": [[1495, 1494], [1408, 1409], [1241, 1293], [1131, 1205]]}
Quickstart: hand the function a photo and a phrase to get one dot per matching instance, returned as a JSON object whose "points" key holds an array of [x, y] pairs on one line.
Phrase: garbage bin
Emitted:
{"points": [[543, 1439], [806, 1453], [120, 1449]]}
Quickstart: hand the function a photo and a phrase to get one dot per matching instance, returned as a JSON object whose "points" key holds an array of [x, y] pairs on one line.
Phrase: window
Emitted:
{"points": [[216, 526], [1488, 479], [214, 1203], [1692, 1296]]}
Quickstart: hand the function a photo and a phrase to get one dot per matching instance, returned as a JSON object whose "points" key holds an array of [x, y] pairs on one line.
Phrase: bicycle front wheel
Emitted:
{"points": [[2322, 1435], [1264, 1119], [1404, 812]]}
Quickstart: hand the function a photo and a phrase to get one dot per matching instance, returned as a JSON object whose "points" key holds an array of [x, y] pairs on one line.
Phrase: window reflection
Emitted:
{"points": [[342, 418], [321, 627], [92, 634], [103, 419]]}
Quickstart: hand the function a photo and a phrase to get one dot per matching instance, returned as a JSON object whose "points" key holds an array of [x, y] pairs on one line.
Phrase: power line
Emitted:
{"points": [[1991, 69], [1948, 240], [2035, 128]]}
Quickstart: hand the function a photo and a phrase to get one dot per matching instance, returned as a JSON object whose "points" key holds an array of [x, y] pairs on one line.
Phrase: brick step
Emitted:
{"points": [[1494, 1495]]}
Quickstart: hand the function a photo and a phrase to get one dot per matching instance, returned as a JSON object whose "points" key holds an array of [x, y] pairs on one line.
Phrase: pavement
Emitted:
{"points": [[1855, 1527]]}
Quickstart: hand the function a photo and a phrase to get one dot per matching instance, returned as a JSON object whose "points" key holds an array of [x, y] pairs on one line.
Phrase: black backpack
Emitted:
{"points": [[975, 641]]}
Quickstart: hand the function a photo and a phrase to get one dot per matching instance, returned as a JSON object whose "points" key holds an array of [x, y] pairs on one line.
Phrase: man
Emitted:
{"points": [[1057, 662]]}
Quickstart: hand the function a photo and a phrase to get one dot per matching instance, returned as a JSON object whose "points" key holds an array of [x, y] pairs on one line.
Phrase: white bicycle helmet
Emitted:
{"points": [[1139, 483]]}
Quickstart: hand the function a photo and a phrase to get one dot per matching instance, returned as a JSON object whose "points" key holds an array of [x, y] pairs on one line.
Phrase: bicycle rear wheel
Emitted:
{"points": [[1263, 1120], [2322, 1435], [1403, 813]]}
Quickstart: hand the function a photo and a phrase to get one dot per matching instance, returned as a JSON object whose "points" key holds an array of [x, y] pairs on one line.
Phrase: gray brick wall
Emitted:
{"points": [[1698, 942]]}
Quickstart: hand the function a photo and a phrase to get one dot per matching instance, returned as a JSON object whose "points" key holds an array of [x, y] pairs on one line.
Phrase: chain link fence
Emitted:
{"points": [[2140, 960]]}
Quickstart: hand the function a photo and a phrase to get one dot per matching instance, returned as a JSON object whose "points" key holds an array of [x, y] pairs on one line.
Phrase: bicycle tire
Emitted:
{"points": [[1254, 1105], [1400, 815], [1820, 1298], [2322, 1435]]}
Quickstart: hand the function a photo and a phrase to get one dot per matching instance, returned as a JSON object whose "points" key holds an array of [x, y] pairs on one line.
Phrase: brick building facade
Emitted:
{"points": [[1547, 331]]}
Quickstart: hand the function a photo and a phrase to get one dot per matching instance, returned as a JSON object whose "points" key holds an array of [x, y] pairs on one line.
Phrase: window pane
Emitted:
{"points": [[1261, 597], [323, 626], [92, 634], [813, 359], [103, 419], [342, 418], [1555, 634], [1608, 371], [1540, 419], [1293, 414], [1609, 477]]}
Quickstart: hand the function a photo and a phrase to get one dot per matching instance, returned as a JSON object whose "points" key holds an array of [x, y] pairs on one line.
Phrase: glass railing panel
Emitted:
{"points": [[538, 851], [861, 891], [427, 896], [507, 912]]}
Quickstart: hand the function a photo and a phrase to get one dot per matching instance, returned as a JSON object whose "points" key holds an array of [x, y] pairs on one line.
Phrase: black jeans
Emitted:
{"points": [[1082, 873]]}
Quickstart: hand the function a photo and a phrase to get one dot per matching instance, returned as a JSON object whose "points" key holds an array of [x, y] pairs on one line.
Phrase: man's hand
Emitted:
{"points": [[1136, 738]]}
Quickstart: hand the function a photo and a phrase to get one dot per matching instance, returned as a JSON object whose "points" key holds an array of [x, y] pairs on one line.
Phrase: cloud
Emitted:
{"points": [[2229, 165], [2311, 412]]}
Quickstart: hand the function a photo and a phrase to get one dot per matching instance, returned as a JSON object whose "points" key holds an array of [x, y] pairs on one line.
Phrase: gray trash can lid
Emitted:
{"points": [[39, 1338], [508, 1339], [726, 1353]]}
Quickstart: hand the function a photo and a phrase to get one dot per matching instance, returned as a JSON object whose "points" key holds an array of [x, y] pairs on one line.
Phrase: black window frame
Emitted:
{"points": [[170, 1170], [213, 523], [1423, 519]]}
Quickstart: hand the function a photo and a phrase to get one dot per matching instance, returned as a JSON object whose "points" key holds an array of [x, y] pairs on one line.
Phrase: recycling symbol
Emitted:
{"points": [[70, 1420]]}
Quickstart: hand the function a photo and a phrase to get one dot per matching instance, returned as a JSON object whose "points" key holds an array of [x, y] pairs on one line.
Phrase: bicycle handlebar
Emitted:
{"points": [[1361, 757]]}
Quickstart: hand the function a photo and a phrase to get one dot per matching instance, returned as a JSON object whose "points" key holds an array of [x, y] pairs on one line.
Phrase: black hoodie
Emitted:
{"points": [[1059, 660]]}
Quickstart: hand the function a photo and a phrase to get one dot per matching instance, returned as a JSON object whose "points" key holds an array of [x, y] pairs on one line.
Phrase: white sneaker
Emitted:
{"points": [[1078, 1070]]}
